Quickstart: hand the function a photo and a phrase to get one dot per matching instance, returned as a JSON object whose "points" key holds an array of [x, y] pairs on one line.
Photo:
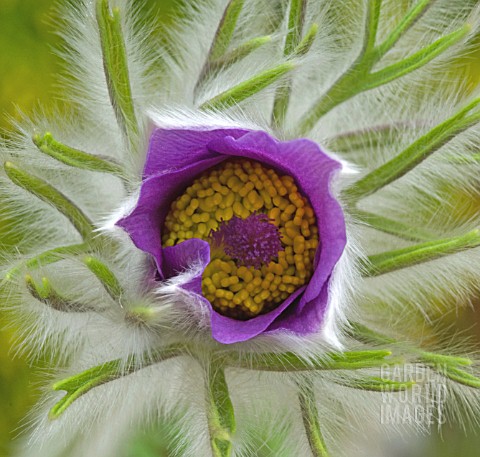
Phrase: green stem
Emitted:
{"points": [[221, 41], [389, 261], [371, 25], [225, 30], [46, 258], [417, 11], [307, 41], [449, 366], [74, 157], [296, 19], [415, 61], [81, 383], [220, 412], [376, 384], [289, 362], [392, 227], [247, 88], [109, 281], [46, 294], [415, 154], [379, 135], [239, 53], [360, 78], [115, 64], [308, 408], [52, 196]]}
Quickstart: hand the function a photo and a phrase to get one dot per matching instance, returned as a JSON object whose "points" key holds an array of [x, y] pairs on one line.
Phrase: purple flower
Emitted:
{"points": [[256, 213]]}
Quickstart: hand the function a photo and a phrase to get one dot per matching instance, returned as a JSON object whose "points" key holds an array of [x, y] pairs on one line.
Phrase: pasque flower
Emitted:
{"points": [[257, 214], [241, 234]]}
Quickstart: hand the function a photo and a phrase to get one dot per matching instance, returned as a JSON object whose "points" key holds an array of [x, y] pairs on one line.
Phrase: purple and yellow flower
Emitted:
{"points": [[243, 277], [258, 217]]}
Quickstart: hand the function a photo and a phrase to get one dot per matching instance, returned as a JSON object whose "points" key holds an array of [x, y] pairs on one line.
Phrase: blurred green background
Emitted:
{"points": [[28, 68]]}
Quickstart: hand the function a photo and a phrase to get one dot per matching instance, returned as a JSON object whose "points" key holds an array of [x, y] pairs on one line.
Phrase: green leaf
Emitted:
{"points": [[392, 227], [359, 77], [239, 53], [460, 376], [46, 294], [415, 61], [310, 417], [220, 412], [376, 384], [296, 19], [371, 25], [248, 88], [447, 365], [49, 194], [106, 277], [404, 25], [416, 153], [46, 258], [441, 359], [74, 157], [307, 41], [289, 362], [225, 30], [79, 384], [115, 64], [386, 262]]}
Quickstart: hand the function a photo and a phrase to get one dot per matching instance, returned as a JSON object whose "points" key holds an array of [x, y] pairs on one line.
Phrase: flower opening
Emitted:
{"points": [[181, 203], [261, 230]]}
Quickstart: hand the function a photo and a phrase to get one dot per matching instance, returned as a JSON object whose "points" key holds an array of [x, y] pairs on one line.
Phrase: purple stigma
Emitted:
{"points": [[252, 241]]}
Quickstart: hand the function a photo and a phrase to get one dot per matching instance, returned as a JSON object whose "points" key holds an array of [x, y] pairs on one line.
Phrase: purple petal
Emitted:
{"points": [[227, 330], [193, 253], [144, 224], [179, 148], [306, 319]]}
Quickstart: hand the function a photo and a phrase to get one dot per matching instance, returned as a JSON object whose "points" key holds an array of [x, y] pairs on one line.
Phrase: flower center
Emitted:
{"points": [[262, 233], [251, 242]]}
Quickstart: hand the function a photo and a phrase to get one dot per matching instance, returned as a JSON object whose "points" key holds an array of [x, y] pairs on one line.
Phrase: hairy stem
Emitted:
{"points": [[46, 294], [389, 261], [296, 21], [79, 384], [47, 257], [308, 408], [289, 362], [221, 40], [47, 193], [414, 154], [220, 413], [247, 88], [115, 64], [360, 77], [392, 227], [74, 157], [110, 283]]}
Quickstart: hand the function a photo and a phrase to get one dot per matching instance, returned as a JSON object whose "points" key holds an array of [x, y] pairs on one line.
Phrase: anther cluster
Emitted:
{"points": [[237, 283]]}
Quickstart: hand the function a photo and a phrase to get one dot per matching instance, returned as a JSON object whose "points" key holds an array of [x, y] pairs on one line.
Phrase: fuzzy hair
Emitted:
{"points": [[164, 82]]}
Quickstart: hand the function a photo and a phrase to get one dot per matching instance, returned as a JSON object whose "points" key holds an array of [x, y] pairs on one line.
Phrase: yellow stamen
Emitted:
{"points": [[241, 187]]}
